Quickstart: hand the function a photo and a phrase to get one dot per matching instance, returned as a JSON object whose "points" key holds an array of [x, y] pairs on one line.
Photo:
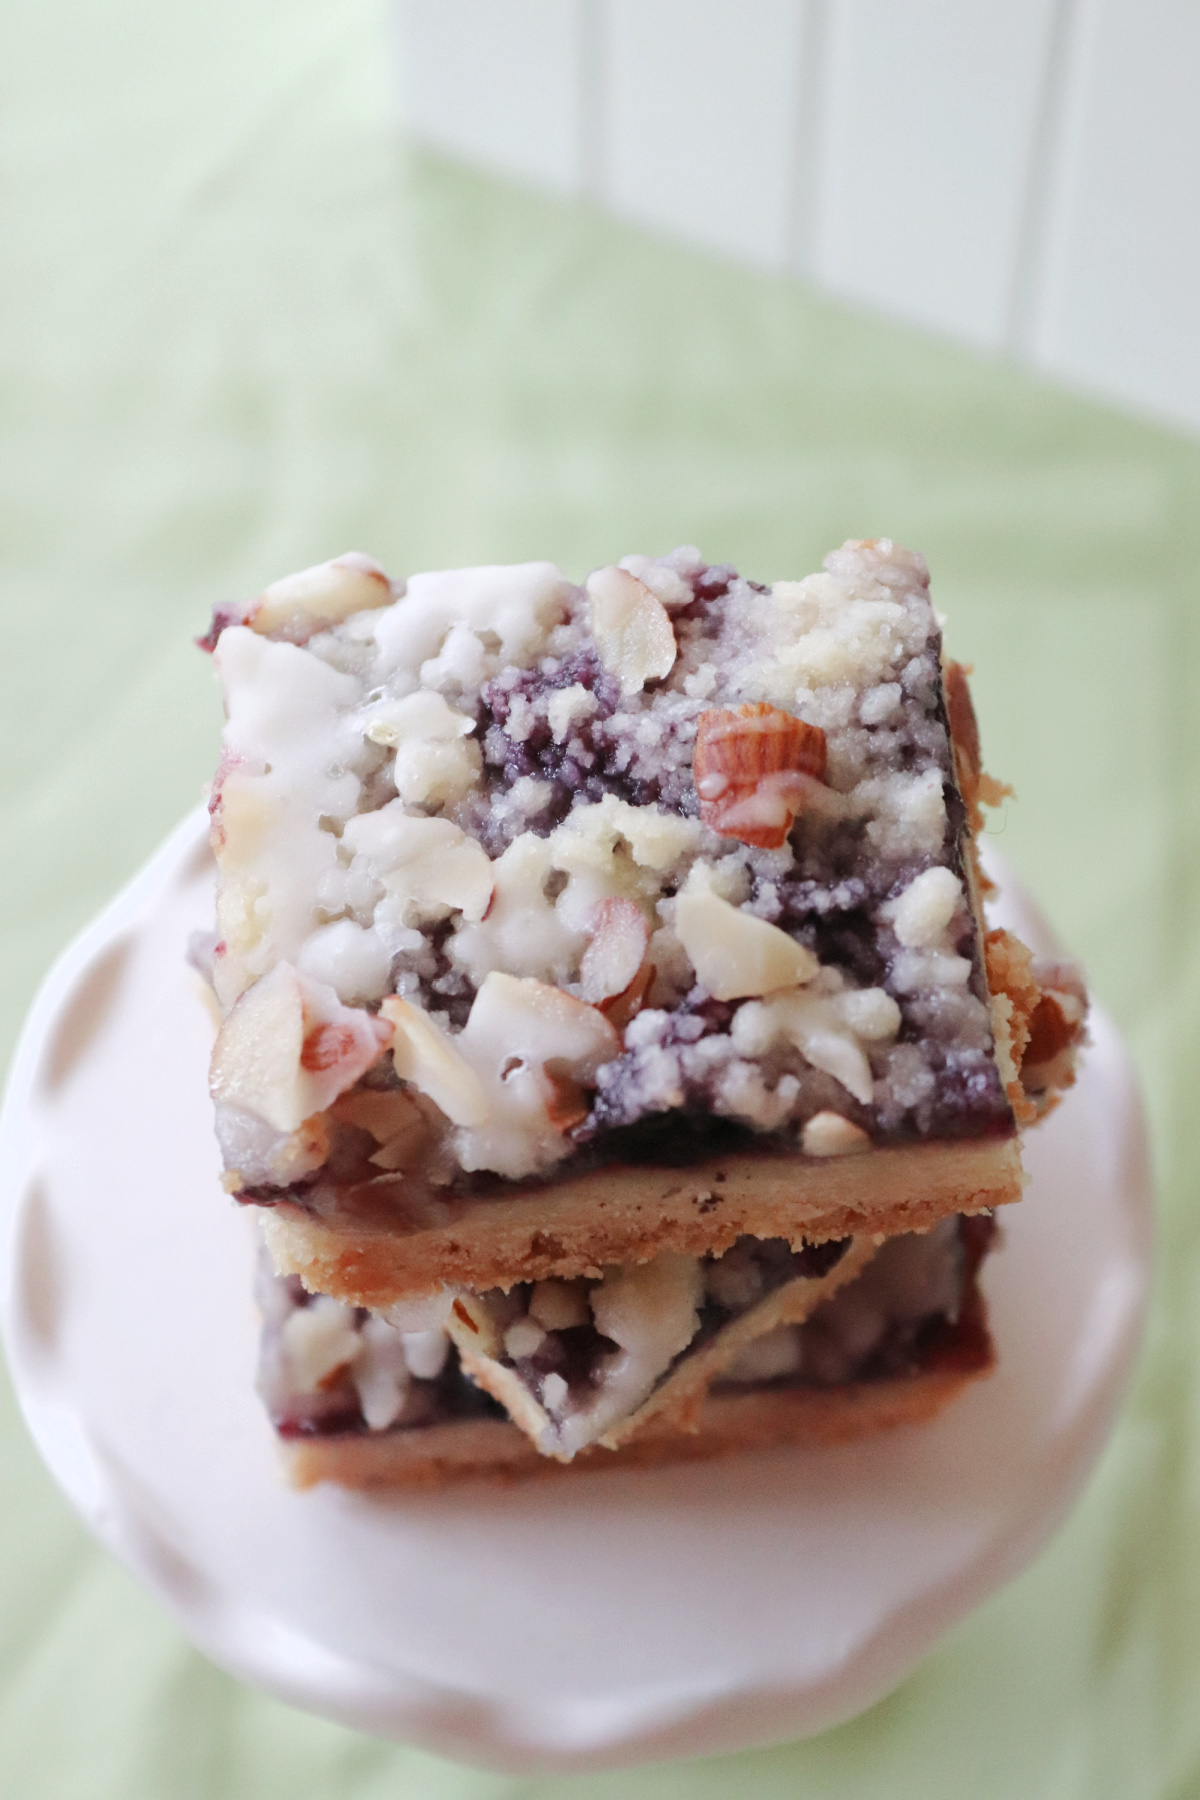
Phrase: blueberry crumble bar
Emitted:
{"points": [[587, 954], [371, 1401]]}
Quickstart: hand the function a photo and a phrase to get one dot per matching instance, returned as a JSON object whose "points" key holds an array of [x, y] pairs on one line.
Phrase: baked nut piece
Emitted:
{"points": [[566, 927], [359, 1401]]}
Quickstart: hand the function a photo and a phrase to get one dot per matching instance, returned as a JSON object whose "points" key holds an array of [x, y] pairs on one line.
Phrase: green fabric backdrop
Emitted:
{"points": [[241, 329]]}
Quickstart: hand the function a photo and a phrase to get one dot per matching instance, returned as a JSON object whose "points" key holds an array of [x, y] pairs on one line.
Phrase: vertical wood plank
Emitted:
{"points": [[498, 82], [930, 115], [1118, 306], [701, 101]]}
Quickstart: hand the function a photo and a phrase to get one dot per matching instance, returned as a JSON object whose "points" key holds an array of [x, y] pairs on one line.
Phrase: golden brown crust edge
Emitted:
{"points": [[492, 1450], [370, 1255]]}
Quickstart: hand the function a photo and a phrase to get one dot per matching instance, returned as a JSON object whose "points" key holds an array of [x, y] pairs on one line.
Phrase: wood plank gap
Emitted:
{"points": [[1043, 180], [800, 249], [594, 29]]}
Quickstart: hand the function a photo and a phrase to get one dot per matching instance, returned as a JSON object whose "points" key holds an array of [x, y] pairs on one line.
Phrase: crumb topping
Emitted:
{"points": [[580, 857]]}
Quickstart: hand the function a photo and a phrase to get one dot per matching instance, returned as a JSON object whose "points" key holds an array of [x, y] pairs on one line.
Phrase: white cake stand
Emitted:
{"points": [[606, 1619]]}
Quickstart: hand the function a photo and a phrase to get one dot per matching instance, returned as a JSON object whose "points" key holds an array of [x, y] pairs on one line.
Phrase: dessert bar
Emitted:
{"points": [[359, 1401], [568, 927], [611, 1041]]}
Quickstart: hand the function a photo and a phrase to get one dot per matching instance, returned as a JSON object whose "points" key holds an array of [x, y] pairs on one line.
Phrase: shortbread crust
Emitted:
{"points": [[366, 1252], [728, 1424]]}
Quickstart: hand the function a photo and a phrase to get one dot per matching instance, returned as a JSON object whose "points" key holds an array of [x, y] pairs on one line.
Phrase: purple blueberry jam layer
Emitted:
{"points": [[325, 1368], [916, 1306]]}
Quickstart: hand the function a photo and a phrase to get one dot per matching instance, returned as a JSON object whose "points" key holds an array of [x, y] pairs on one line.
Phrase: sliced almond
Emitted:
{"points": [[522, 1339], [289, 1047], [473, 1327], [256, 1059], [394, 1118], [754, 767], [381, 1111], [734, 954], [425, 1056], [626, 1005], [523, 1017], [632, 629], [406, 1145], [316, 598], [567, 1104], [559, 1305], [318, 1341], [829, 1134], [616, 952], [423, 863]]}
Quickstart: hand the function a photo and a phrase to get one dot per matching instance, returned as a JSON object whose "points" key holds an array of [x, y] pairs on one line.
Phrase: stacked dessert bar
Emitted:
{"points": [[611, 1041]]}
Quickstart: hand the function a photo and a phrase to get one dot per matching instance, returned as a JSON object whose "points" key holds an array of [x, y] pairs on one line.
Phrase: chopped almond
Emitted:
{"points": [[529, 1019], [616, 951], [566, 1103], [473, 1327], [829, 1134], [289, 1047], [734, 954], [1039, 1010], [632, 629], [622, 1007], [326, 1045], [753, 766], [380, 1111], [316, 598], [427, 1057]]}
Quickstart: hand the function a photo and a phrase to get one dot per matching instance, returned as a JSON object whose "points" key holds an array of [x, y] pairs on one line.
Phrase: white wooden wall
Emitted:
{"points": [[1021, 174]]}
